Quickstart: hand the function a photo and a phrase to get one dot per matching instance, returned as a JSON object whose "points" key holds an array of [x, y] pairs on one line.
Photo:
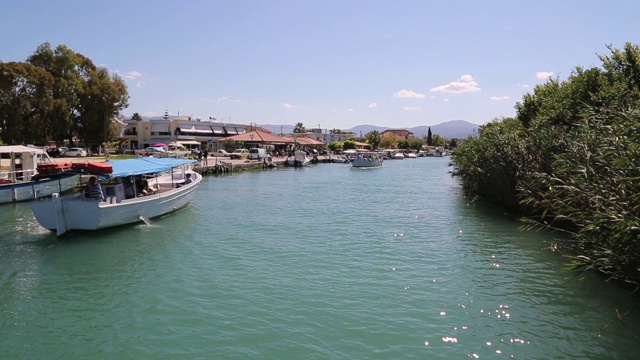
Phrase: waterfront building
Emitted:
{"points": [[325, 137], [182, 130]]}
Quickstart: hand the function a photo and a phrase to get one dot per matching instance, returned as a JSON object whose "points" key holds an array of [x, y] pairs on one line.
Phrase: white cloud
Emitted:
{"points": [[412, 108], [408, 94], [544, 75], [223, 98], [350, 110], [373, 105], [289, 106], [132, 75], [499, 98], [463, 85], [522, 85], [445, 100]]}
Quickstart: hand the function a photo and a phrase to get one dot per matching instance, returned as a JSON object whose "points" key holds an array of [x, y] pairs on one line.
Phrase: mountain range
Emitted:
{"points": [[454, 129]]}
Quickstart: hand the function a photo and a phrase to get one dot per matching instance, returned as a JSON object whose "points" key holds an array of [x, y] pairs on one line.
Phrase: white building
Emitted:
{"points": [[326, 137], [182, 130]]}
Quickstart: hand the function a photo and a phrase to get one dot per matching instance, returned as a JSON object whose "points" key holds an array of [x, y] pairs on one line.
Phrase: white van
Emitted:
{"points": [[257, 154]]}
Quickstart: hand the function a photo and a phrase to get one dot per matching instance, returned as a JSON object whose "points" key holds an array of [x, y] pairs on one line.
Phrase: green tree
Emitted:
{"points": [[438, 140], [299, 128], [373, 139], [429, 137], [25, 103], [415, 144], [102, 98], [349, 144], [389, 142], [335, 145], [136, 117], [84, 97]]}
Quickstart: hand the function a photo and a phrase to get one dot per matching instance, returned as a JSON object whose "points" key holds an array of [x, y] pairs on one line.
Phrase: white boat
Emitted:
{"points": [[397, 156], [27, 173], [76, 212], [339, 159], [411, 155], [299, 158], [392, 154], [367, 160]]}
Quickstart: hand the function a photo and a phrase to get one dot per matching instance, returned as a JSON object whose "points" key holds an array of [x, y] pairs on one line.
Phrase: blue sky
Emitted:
{"points": [[330, 63]]}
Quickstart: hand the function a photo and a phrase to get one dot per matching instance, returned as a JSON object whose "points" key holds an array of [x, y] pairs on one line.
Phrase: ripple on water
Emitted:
{"points": [[319, 263]]}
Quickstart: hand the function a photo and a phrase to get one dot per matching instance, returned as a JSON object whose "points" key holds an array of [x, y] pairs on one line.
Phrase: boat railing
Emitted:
{"points": [[17, 175]]}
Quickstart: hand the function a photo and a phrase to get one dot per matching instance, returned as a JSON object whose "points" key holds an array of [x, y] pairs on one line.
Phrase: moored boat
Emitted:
{"points": [[300, 158], [27, 173], [165, 175]]}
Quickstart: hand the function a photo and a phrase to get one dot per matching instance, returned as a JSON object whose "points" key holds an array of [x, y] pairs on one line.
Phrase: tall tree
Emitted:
{"points": [[102, 98], [25, 101], [83, 95], [429, 137], [373, 138], [299, 128]]}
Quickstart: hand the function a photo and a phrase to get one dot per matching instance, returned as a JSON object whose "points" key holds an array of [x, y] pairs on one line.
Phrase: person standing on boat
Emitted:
{"points": [[93, 189]]}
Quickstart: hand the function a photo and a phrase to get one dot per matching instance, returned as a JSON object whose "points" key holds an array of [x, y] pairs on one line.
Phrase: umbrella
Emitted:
{"points": [[159, 145]]}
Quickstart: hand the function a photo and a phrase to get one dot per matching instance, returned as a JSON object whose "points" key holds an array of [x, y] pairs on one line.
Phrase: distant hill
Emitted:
{"points": [[458, 129], [454, 129]]}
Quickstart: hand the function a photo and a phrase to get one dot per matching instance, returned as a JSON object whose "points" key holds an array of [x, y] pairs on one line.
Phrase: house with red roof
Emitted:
{"points": [[401, 133]]}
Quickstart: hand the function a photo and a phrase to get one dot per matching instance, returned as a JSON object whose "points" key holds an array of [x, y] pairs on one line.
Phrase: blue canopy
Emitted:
{"points": [[146, 165]]}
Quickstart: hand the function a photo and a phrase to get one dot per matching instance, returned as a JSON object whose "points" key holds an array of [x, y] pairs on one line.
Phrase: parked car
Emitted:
{"points": [[75, 152], [56, 151], [239, 154], [257, 154], [219, 153]]}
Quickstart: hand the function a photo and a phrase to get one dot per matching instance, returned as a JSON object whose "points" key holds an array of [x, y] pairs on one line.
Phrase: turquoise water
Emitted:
{"points": [[324, 262]]}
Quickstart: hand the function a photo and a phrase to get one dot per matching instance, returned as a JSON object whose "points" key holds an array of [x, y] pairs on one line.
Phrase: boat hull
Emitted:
{"points": [[366, 163], [62, 214], [29, 190]]}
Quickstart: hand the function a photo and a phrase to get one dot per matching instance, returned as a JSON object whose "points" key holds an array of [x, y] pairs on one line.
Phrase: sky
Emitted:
{"points": [[330, 64]]}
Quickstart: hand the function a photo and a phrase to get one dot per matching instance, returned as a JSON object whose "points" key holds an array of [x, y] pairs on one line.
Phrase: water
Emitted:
{"points": [[325, 262]]}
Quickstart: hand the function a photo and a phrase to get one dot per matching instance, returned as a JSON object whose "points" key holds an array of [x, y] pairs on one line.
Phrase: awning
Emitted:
{"points": [[146, 165], [197, 129], [189, 142], [217, 130]]}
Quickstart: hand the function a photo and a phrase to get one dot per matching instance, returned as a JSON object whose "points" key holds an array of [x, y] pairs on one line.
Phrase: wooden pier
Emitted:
{"points": [[212, 166]]}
